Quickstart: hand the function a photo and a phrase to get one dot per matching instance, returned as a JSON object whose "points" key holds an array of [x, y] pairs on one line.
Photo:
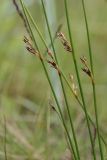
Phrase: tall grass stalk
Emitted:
{"points": [[93, 84], [44, 67], [65, 97], [78, 78]]}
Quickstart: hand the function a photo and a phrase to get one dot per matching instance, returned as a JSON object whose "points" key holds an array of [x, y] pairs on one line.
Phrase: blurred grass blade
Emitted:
{"points": [[5, 139]]}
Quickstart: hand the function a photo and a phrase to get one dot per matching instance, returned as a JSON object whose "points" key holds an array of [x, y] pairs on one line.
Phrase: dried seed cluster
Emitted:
{"points": [[86, 68], [64, 41], [74, 87], [31, 49], [53, 62]]}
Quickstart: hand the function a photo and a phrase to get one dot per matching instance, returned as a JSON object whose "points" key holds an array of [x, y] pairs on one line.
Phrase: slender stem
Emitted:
{"points": [[29, 27], [93, 84], [65, 97], [58, 105], [54, 37], [78, 78]]}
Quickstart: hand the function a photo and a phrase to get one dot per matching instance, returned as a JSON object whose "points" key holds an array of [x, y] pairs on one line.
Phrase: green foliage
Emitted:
{"points": [[32, 128]]}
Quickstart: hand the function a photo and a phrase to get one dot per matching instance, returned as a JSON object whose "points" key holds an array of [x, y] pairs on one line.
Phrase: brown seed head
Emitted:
{"points": [[64, 41]]}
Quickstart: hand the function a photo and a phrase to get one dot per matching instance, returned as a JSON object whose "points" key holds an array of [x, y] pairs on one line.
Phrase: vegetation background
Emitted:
{"points": [[33, 131]]}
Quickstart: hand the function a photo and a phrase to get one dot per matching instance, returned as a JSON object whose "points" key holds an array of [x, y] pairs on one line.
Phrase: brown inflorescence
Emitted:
{"points": [[86, 68], [64, 41], [52, 61], [74, 87], [31, 49]]}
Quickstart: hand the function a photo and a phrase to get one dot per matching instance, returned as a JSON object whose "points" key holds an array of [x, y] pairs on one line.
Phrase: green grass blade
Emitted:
{"points": [[93, 84], [78, 78]]}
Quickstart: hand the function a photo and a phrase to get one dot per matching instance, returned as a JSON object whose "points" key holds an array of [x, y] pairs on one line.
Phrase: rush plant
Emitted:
{"points": [[51, 59]]}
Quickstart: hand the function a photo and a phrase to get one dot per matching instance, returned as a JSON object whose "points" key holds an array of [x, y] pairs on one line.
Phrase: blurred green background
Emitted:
{"points": [[33, 131]]}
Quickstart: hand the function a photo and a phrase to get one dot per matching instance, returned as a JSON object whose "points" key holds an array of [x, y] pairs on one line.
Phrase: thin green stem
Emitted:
{"points": [[58, 105], [29, 27], [93, 84], [65, 97], [78, 78], [54, 37]]}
